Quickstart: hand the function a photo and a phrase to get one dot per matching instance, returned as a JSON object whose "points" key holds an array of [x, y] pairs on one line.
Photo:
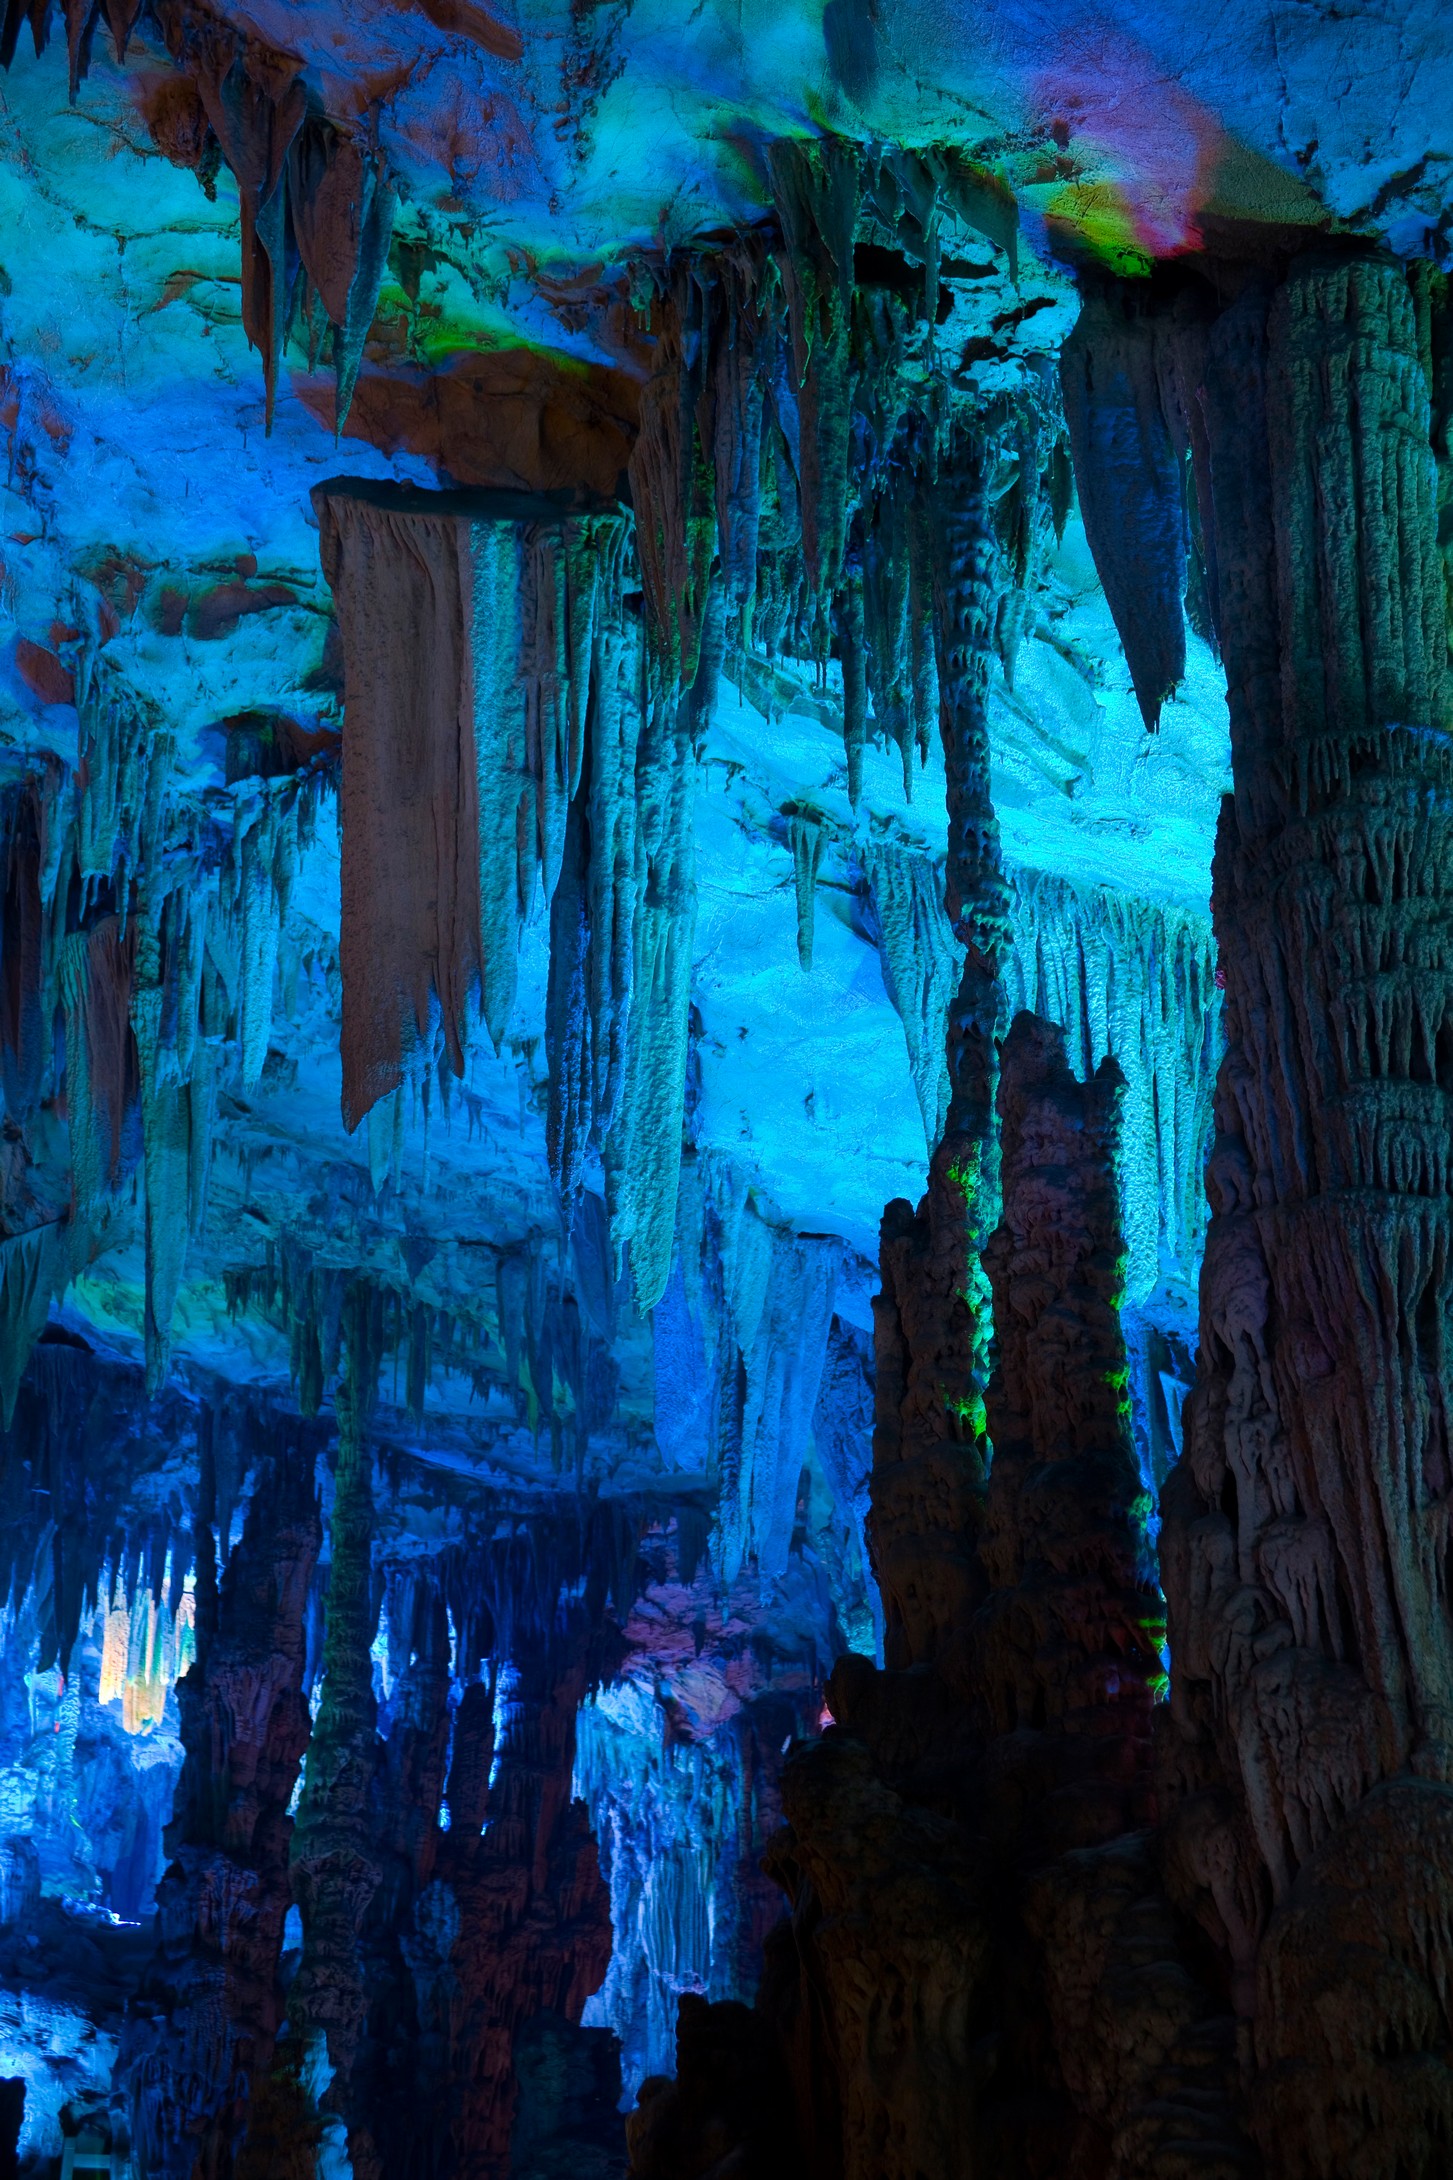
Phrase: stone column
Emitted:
{"points": [[1306, 1535]]}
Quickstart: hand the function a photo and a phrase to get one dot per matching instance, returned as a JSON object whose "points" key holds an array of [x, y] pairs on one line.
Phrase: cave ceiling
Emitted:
{"points": [[545, 159]]}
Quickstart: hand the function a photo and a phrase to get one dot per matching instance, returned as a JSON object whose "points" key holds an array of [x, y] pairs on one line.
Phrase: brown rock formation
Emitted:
{"points": [[410, 793], [930, 1320], [510, 1917], [213, 2002], [1066, 1645]]}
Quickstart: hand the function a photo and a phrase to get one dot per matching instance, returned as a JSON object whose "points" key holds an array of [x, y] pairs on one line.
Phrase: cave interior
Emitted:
{"points": [[726, 1035]]}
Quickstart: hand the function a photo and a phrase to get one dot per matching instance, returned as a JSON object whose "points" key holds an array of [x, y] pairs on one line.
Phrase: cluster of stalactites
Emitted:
{"points": [[317, 205], [151, 928], [539, 757], [790, 429], [740, 1342], [542, 1355]]}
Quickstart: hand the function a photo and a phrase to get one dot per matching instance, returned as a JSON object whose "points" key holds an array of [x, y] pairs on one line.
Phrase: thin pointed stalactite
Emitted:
{"points": [[341, 203], [816, 187], [806, 837]]}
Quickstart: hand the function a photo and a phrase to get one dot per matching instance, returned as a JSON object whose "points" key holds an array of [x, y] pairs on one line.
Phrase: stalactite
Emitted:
{"points": [[612, 817], [666, 1817], [264, 857], [817, 188], [1132, 493], [1138, 982], [256, 104], [166, 1140], [569, 1027], [745, 302], [897, 627], [21, 947], [643, 1149], [671, 488], [806, 838], [103, 1083], [503, 564], [341, 205], [410, 792], [748, 1331], [535, 658], [921, 968], [125, 753], [33, 1267], [842, 1431]]}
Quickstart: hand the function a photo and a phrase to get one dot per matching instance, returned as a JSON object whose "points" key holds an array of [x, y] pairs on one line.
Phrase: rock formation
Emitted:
{"points": [[1309, 1623]]}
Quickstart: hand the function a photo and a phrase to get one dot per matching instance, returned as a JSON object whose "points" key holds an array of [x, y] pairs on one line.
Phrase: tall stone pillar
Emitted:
{"points": [[1306, 1541], [932, 1319]]}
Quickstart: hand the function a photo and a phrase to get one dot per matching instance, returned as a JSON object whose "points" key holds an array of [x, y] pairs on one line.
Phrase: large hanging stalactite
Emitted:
{"points": [[1131, 486], [410, 794]]}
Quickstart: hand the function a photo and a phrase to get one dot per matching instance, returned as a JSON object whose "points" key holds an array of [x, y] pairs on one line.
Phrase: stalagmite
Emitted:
{"points": [[203, 2042], [333, 1858], [1067, 1642]]}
